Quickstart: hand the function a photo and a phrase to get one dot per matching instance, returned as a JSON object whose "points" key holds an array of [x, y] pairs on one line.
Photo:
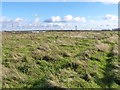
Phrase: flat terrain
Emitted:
{"points": [[61, 60]]}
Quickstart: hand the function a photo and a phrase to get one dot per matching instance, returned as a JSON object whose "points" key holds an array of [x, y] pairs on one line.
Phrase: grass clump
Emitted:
{"points": [[61, 60]]}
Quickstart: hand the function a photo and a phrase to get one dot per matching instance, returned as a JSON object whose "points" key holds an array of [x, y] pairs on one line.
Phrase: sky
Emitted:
{"points": [[59, 15]]}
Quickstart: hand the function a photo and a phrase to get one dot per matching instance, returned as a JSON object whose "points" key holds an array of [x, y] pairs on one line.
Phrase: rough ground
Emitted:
{"points": [[61, 60]]}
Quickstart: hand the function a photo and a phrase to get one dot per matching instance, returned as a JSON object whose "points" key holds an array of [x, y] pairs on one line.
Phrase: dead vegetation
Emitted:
{"points": [[61, 60]]}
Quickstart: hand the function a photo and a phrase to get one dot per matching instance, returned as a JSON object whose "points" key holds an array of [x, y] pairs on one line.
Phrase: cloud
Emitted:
{"points": [[37, 20], [79, 19], [68, 18], [92, 21], [19, 20], [58, 24], [110, 17], [54, 19], [55, 23], [4, 19]]}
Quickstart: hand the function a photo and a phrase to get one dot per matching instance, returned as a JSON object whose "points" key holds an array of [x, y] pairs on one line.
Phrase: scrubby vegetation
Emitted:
{"points": [[61, 60]]}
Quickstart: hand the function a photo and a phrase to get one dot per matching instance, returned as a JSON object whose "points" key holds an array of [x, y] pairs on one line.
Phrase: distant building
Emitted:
{"points": [[35, 31], [38, 31], [75, 27], [43, 31]]}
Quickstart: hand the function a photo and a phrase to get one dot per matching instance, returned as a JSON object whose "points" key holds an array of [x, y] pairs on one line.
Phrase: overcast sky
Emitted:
{"points": [[60, 15]]}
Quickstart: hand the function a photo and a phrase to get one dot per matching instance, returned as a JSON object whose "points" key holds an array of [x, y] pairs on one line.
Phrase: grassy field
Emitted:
{"points": [[61, 60]]}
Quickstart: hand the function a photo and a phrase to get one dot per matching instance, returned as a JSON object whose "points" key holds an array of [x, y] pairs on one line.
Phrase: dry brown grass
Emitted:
{"points": [[113, 39], [58, 59], [102, 46], [115, 50]]}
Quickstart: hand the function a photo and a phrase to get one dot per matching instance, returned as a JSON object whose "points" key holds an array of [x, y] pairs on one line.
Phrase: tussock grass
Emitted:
{"points": [[102, 47], [61, 60]]}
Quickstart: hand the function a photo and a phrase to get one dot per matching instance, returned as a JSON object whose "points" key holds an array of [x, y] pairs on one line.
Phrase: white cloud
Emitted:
{"points": [[54, 19], [68, 18], [109, 21], [53, 24], [110, 17], [37, 20], [19, 20], [92, 21], [4, 19], [57, 24], [79, 19]]}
